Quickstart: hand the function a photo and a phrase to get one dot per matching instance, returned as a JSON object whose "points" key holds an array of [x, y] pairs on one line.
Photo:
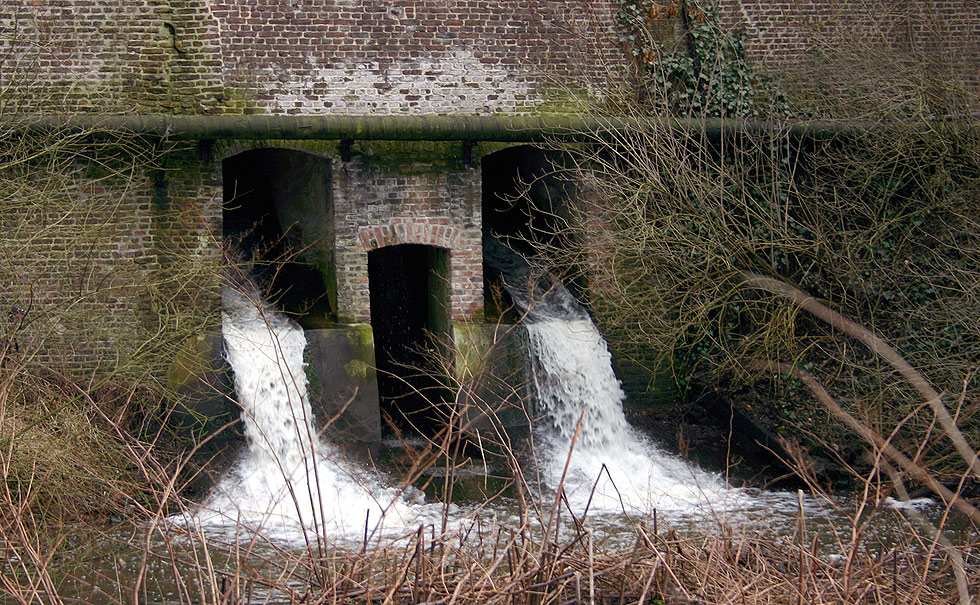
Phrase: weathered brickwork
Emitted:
{"points": [[75, 263], [779, 32], [394, 193], [103, 256], [391, 56], [354, 57], [119, 56], [387, 194], [187, 194], [307, 56]]}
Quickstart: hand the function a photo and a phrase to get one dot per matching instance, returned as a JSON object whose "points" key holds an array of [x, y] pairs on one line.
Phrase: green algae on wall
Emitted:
{"points": [[360, 337]]}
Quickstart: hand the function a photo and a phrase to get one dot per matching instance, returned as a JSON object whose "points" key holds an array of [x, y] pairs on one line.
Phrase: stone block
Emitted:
{"points": [[344, 383]]}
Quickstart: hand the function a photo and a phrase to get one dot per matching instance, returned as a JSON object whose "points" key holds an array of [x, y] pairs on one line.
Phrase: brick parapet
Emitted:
{"points": [[781, 32], [392, 56]]}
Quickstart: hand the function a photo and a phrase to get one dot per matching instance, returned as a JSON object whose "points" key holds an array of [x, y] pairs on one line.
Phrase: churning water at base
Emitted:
{"points": [[292, 486], [574, 381], [289, 481], [612, 468]]}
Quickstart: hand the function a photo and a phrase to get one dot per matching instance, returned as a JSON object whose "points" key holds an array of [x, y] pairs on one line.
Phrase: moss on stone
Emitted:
{"points": [[408, 157], [564, 102], [357, 369], [360, 335], [191, 363], [236, 101], [473, 342]]}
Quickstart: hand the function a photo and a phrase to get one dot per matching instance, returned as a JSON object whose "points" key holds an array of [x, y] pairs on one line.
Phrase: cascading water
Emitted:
{"points": [[289, 481], [574, 379], [612, 468], [572, 373]]}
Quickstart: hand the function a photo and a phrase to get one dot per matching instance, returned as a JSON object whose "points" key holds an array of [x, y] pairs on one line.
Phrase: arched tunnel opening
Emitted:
{"points": [[525, 204], [410, 317], [277, 224]]}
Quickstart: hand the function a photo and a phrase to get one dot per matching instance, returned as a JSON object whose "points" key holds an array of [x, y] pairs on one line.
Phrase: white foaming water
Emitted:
{"points": [[289, 481], [573, 376], [574, 379]]}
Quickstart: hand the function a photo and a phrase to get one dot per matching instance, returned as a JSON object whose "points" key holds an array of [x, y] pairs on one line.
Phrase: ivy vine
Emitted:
{"points": [[706, 74]]}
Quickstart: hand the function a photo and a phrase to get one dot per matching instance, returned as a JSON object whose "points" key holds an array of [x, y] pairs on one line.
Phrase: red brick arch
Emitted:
{"points": [[406, 231]]}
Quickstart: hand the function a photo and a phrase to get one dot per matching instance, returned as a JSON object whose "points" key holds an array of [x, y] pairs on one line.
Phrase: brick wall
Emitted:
{"points": [[779, 32], [387, 193], [74, 261], [359, 57], [423, 193], [105, 254], [392, 56], [305, 56]]}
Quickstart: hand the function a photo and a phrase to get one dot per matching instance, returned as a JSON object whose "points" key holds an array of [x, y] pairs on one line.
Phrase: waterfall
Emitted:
{"points": [[288, 481], [573, 378]]}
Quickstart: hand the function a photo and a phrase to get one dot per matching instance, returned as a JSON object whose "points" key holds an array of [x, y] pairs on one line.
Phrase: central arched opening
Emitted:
{"points": [[410, 318]]}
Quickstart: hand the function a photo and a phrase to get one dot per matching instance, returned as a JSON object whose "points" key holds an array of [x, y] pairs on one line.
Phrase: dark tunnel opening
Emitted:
{"points": [[277, 223], [410, 318], [525, 204]]}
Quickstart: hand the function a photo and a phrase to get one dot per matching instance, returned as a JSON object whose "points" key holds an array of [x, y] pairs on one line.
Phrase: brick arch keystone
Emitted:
{"points": [[406, 231]]}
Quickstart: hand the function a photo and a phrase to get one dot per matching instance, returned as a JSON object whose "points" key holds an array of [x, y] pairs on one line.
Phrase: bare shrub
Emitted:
{"points": [[866, 201]]}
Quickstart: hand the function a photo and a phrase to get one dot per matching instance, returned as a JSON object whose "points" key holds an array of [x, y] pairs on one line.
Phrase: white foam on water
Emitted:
{"points": [[913, 504], [290, 482], [612, 467], [574, 379], [291, 485]]}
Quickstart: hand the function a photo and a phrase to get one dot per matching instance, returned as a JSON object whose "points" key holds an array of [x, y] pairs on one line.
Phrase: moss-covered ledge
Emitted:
{"points": [[502, 128]]}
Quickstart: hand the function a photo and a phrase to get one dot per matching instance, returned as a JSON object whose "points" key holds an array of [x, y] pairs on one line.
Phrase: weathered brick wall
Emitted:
{"points": [[306, 56], [187, 194], [106, 254], [359, 57], [387, 193], [779, 32], [392, 56], [75, 261]]}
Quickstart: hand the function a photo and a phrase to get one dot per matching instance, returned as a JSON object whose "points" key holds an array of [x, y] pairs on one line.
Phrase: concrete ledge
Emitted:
{"points": [[490, 370], [491, 366], [344, 382]]}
